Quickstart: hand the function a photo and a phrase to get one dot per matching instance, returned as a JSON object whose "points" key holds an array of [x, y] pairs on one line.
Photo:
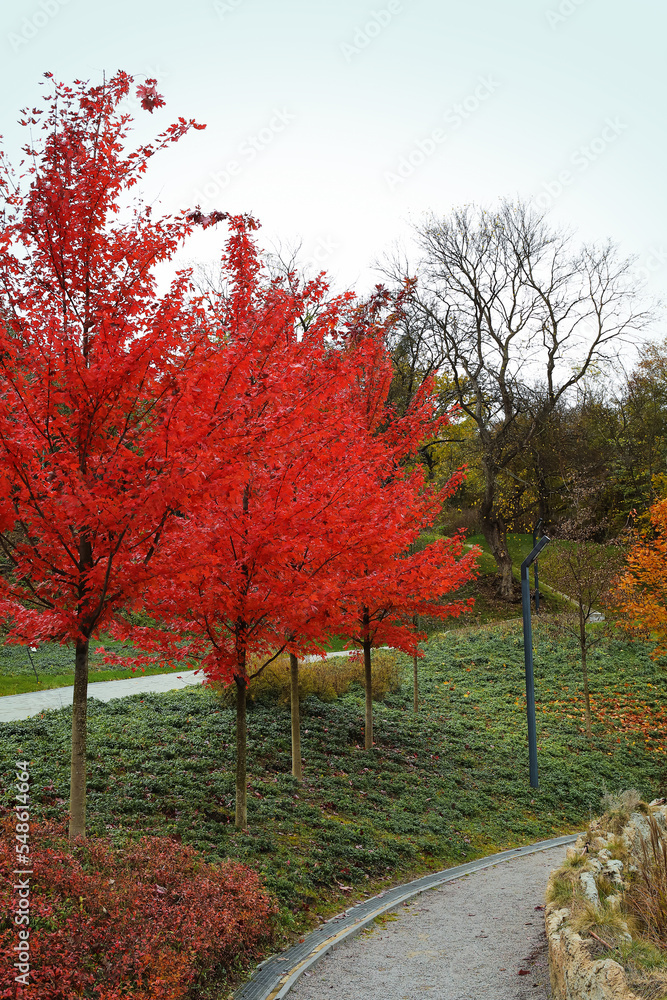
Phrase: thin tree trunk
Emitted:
{"points": [[296, 724], [368, 684], [77, 795], [241, 818], [584, 670], [241, 678], [415, 674]]}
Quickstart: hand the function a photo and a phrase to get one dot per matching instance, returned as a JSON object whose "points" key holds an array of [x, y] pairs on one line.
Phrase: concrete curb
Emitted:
{"points": [[274, 978]]}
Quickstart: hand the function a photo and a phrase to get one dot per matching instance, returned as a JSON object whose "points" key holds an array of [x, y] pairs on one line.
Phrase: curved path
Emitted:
{"points": [[479, 933]]}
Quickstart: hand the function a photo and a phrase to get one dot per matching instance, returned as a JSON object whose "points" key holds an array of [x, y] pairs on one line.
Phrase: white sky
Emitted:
{"points": [[338, 95]]}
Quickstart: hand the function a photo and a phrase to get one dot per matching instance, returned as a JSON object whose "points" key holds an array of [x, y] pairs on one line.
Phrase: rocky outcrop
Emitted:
{"points": [[575, 975]]}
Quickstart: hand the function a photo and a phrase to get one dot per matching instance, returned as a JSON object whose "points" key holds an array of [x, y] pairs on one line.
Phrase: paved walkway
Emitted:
{"points": [[14, 707], [22, 706], [478, 932], [480, 937]]}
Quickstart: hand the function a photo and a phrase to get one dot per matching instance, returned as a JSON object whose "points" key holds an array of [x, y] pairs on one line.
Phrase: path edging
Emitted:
{"points": [[273, 982]]}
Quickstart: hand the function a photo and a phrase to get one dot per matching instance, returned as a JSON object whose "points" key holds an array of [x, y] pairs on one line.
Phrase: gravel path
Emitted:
{"points": [[478, 938]]}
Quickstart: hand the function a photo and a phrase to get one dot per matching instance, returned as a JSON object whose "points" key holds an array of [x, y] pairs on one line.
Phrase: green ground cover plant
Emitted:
{"points": [[447, 784]]}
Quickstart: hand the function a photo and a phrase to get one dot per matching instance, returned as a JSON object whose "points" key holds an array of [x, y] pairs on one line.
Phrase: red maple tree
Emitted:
{"points": [[285, 533], [388, 586], [242, 574], [95, 371]]}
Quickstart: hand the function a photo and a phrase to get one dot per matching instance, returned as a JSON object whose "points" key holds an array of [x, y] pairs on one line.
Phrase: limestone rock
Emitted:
{"points": [[587, 880], [574, 975], [613, 869]]}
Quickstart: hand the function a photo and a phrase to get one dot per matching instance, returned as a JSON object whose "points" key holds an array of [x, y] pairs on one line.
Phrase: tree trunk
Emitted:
{"points": [[495, 533], [368, 684], [415, 674], [241, 819], [494, 530], [584, 670], [296, 725], [77, 794]]}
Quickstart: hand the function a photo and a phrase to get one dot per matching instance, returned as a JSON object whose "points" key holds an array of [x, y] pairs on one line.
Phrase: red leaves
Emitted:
{"points": [[94, 373], [150, 99], [303, 504], [153, 914]]}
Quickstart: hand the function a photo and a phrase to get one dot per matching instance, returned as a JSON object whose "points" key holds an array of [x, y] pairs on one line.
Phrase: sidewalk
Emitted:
{"points": [[14, 707]]}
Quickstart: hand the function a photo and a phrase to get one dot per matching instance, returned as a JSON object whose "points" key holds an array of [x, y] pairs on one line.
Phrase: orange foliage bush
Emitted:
{"points": [[642, 589], [146, 922]]}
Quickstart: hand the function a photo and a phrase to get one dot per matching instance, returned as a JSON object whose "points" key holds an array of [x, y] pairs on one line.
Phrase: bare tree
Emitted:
{"points": [[585, 571], [517, 317]]}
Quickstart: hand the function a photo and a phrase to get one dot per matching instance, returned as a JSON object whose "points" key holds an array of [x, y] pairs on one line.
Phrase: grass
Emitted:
{"points": [[519, 546], [448, 784], [488, 608], [54, 666], [645, 968]]}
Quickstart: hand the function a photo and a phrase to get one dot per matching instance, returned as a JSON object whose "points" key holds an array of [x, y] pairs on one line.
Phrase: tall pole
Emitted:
{"points": [[537, 579], [528, 657]]}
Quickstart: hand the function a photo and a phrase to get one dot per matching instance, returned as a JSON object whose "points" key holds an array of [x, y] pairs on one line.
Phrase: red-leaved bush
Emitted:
{"points": [[146, 922]]}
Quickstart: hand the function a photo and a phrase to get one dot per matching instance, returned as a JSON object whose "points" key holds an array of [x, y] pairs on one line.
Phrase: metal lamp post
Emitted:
{"points": [[528, 656], [537, 578]]}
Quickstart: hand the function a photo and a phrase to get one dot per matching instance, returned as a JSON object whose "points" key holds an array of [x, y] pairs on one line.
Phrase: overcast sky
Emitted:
{"points": [[339, 124]]}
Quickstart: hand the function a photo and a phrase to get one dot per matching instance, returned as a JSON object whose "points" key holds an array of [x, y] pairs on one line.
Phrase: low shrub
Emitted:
{"points": [[149, 920], [325, 679]]}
